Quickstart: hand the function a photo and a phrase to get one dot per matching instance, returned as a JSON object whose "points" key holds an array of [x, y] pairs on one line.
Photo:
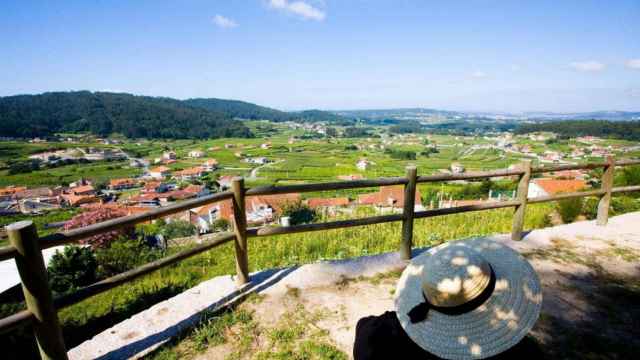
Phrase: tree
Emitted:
{"points": [[299, 213], [332, 132], [177, 229], [71, 269]]}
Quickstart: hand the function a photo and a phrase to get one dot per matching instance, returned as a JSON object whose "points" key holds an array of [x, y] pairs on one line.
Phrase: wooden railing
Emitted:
{"points": [[26, 246]]}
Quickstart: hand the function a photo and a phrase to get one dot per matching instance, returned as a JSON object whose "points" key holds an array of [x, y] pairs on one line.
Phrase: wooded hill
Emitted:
{"points": [[249, 111], [104, 113], [627, 130]]}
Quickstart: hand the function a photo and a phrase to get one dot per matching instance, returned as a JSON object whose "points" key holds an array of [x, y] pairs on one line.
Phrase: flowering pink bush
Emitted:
{"points": [[97, 216]]}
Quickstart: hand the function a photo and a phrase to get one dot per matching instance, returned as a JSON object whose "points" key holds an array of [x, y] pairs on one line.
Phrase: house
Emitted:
{"points": [[257, 160], [362, 164], [196, 154], [204, 217], [229, 146], [350, 177], [210, 165], [328, 202], [82, 190], [77, 200], [7, 193], [263, 208], [122, 184], [41, 192], [146, 200], [159, 172], [225, 181], [265, 146], [198, 190], [189, 174], [457, 168], [169, 155], [546, 186], [388, 197]]}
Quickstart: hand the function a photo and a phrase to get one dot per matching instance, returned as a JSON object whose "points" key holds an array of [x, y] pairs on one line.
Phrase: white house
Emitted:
{"points": [[362, 164], [210, 165], [257, 160], [457, 168], [159, 172], [196, 154], [169, 155]]}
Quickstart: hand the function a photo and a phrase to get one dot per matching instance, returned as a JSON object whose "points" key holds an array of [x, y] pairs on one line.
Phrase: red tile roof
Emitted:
{"points": [[387, 196], [553, 186], [325, 202]]}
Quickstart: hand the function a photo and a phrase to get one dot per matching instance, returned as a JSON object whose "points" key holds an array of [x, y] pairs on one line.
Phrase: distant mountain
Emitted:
{"points": [[249, 111], [434, 115], [104, 113]]}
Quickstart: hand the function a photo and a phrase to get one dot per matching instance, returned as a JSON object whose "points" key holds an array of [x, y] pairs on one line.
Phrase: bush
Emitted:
{"points": [[569, 209], [71, 269], [221, 225], [299, 213], [178, 229], [124, 254], [623, 204]]}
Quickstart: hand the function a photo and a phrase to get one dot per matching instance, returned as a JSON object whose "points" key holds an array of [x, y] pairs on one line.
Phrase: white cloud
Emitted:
{"points": [[224, 22], [587, 66], [300, 8], [633, 64], [515, 67], [479, 74]]}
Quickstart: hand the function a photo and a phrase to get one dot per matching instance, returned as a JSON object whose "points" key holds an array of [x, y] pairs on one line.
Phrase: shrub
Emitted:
{"points": [[221, 225], [124, 254], [94, 217], [623, 204], [299, 213], [569, 209], [177, 229], [71, 269]]}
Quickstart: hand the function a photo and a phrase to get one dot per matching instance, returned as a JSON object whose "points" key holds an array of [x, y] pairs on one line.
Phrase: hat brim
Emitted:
{"points": [[497, 325]]}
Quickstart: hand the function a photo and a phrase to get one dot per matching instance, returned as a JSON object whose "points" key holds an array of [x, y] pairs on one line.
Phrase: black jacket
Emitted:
{"points": [[382, 337]]}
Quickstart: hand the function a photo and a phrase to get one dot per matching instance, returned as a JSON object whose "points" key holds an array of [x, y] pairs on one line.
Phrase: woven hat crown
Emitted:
{"points": [[454, 275]]}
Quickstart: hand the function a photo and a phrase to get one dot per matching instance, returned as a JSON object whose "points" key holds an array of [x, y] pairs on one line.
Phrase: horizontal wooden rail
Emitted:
{"points": [[552, 168], [324, 226], [622, 189], [338, 185], [563, 196], [13, 321], [469, 175], [627, 162], [118, 223], [465, 208], [109, 283]]}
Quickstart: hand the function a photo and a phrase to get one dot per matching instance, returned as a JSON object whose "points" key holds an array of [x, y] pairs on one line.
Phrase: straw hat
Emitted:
{"points": [[469, 299]]}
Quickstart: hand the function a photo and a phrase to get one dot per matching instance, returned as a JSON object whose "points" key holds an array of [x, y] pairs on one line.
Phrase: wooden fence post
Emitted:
{"points": [[523, 190], [240, 229], [607, 185], [408, 212], [35, 286]]}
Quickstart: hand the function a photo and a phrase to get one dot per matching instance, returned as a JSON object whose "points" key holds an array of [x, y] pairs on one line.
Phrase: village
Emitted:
{"points": [[190, 172]]}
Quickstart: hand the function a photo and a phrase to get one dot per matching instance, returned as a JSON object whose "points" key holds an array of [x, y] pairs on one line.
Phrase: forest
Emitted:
{"points": [[104, 113], [626, 130]]}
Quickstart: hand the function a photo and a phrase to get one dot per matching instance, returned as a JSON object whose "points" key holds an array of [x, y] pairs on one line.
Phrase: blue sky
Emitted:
{"points": [[290, 54]]}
